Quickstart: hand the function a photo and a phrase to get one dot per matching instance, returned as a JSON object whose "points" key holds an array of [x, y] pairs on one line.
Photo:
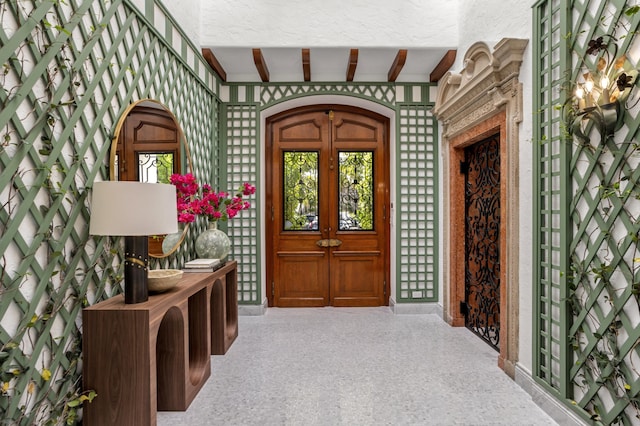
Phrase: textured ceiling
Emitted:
{"points": [[285, 64]]}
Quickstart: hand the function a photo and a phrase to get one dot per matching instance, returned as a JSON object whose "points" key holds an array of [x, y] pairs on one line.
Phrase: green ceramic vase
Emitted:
{"points": [[213, 243]]}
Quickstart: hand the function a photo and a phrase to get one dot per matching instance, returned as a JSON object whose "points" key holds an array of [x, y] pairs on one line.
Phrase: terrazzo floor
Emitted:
{"points": [[356, 366]]}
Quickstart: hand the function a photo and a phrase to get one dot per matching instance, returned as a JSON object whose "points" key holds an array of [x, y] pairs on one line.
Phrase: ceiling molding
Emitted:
{"points": [[214, 64], [397, 65], [261, 65], [353, 63], [443, 66], [306, 64]]}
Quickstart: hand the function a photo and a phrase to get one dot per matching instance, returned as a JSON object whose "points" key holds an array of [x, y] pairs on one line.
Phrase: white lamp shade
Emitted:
{"points": [[127, 208]]}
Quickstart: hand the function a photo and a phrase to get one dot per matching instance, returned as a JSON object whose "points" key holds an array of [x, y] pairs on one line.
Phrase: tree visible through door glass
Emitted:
{"points": [[300, 191], [154, 167], [356, 191]]}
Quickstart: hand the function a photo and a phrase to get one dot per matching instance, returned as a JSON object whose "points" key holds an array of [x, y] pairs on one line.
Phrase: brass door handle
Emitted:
{"points": [[328, 242]]}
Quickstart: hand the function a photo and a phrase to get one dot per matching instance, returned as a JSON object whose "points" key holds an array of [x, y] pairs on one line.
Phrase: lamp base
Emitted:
{"points": [[136, 267]]}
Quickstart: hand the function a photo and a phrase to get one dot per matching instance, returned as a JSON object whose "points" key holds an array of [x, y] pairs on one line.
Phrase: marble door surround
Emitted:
{"points": [[484, 99]]}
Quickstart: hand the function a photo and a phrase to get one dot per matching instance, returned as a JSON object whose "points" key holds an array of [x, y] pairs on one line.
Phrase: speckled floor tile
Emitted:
{"points": [[356, 366]]}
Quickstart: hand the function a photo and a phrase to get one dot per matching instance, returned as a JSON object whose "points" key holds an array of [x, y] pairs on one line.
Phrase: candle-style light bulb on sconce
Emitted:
{"points": [[601, 94], [579, 93], [604, 83], [588, 88]]}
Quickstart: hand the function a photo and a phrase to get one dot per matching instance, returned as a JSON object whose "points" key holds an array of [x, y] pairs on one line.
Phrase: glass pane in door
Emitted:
{"points": [[300, 186], [356, 191], [155, 167]]}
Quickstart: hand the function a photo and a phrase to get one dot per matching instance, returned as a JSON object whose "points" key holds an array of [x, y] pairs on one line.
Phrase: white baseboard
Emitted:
{"points": [[415, 308], [550, 405], [253, 310], [396, 308]]}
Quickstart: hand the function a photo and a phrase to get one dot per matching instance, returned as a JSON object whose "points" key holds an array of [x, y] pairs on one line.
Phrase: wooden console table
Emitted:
{"points": [[144, 357]]}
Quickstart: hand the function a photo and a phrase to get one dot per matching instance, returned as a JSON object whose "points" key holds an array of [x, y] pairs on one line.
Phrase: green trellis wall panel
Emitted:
{"points": [[417, 217], [416, 176], [69, 69], [241, 165], [588, 329], [382, 93], [549, 221]]}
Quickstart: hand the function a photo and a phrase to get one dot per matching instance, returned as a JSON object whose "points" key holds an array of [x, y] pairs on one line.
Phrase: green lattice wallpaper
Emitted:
{"points": [[588, 329], [69, 69]]}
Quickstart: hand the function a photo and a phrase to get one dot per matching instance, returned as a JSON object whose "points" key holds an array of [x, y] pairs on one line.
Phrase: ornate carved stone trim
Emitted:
{"points": [[484, 98], [460, 96]]}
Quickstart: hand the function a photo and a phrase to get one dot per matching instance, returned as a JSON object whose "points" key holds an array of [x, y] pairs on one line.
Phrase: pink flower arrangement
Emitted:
{"points": [[214, 205], [186, 192], [222, 205]]}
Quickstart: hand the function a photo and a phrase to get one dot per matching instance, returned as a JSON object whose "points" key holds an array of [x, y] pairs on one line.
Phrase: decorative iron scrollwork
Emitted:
{"points": [[482, 240]]}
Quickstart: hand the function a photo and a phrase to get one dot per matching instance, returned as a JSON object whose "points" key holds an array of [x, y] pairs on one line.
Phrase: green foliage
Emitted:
{"points": [[302, 177], [300, 189], [165, 167], [632, 10], [356, 187]]}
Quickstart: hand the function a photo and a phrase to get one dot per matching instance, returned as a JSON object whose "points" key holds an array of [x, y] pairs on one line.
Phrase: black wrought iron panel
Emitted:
{"points": [[482, 239]]}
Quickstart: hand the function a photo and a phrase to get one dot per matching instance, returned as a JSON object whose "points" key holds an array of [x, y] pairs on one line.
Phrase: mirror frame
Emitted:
{"points": [[182, 141]]}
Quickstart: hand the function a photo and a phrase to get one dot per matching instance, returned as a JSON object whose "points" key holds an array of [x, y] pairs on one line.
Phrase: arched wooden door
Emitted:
{"points": [[328, 207]]}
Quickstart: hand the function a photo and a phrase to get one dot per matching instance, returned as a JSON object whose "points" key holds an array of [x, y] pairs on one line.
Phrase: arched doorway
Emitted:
{"points": [[328, 215]]}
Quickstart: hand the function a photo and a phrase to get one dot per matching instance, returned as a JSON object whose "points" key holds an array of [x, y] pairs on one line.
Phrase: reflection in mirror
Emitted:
{"points": [[149, 146], [155, 167]]}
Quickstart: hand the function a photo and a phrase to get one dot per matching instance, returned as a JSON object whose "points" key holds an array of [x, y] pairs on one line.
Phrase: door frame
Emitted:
{"points": [[268, 170], [484, 98], [457, 261]]}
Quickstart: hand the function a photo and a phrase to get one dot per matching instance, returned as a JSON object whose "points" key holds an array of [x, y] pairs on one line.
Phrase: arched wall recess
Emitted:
{"points": [[149, 145], [483, 100]]}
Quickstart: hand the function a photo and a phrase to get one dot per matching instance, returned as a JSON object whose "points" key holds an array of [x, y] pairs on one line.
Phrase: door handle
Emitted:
{"points": [[328, 242]]}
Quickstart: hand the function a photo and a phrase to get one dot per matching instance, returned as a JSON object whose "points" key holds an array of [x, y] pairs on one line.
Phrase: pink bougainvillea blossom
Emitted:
{"points": [[193, 200], [186, 191]]}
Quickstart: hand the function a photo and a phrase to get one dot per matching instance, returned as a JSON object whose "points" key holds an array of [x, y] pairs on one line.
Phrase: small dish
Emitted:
{"points": [[161, 280]]}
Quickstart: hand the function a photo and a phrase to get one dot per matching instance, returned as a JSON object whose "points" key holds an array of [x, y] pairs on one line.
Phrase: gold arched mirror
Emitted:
{"points": [[149, 146]]}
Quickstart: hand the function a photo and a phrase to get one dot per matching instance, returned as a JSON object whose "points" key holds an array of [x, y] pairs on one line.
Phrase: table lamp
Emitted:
{"points": [[133, 210]]}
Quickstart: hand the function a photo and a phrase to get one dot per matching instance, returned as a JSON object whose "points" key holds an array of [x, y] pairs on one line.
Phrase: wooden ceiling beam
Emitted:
{"points": [[306, 64], [261, 65], [214, 64], [397, 65], [443, 66], [353, 63]]}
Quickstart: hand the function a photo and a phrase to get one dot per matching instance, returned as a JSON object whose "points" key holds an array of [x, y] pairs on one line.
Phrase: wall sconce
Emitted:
{"points": [[600, 96], [134, 210]]}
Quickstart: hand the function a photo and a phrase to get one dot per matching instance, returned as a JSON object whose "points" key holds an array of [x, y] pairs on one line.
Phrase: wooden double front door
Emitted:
{"points": [[327, 207]]}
